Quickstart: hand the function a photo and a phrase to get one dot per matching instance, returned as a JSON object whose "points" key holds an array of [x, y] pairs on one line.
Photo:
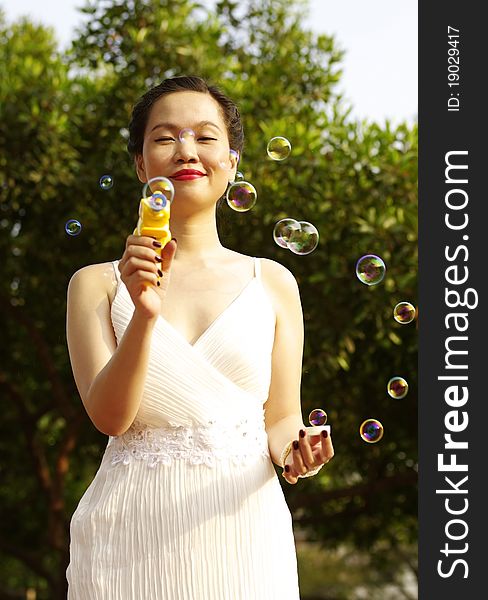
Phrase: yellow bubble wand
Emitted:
{"points": [[154, 211]]}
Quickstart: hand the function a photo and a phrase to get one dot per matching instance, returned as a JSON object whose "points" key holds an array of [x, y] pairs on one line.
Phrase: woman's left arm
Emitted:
{"points": [[283, 413]]}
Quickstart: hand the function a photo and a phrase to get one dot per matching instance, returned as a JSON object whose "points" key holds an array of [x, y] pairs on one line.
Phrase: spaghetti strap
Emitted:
{"points": [[257, 267], [115, 265]]}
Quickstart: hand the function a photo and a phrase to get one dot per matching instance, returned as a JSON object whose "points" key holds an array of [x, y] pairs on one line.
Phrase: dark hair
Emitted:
{"points": [[142, 108]]}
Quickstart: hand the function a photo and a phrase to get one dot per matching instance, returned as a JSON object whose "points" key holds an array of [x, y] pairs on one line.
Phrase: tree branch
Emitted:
{"points": [[57, 505]]}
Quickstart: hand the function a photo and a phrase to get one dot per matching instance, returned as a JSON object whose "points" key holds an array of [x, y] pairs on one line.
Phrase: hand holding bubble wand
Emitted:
{"points": [[154, 211]]}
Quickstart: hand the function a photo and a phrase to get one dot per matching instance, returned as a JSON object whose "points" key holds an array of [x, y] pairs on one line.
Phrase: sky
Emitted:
{"points": [[379, 38]]}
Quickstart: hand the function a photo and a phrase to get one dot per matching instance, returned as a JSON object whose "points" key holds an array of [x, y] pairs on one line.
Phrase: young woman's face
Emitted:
{"points": [[186, 140]]}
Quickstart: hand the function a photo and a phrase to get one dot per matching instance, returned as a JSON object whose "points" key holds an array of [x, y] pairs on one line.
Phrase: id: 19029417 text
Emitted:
{"points": [[453, 76]]}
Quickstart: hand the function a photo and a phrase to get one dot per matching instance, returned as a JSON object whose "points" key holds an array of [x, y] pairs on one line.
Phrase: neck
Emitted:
{"points": [[197, 237]]}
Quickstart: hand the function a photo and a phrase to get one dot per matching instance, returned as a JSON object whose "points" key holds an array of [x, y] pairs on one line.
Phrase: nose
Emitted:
{"points": [[186, 152]]}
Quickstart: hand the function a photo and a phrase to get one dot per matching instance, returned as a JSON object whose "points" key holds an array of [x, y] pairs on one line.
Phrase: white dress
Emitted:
{"points": [[186, 505]]}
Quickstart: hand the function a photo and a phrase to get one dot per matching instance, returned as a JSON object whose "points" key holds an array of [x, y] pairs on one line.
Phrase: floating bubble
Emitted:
{"points": [[397, 388], [228, 164], [186, 134], [371, 431], [304, 240], [404, 312], [370, 269], [278, 148], [241, 196], [317, 417], [72, 227], [106, 182], [239, 176], [283, 231], [163, 185]]}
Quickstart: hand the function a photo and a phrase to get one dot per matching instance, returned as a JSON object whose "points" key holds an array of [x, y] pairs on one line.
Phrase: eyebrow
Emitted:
{"points": [[173, 126]]}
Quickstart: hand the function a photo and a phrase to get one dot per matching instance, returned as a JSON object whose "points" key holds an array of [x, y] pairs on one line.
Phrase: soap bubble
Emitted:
{"points": [[106, 182], [404, 312], [370, 269], [227, 165], [278, 148], [283, 230], [163, 185], [72, 227], [397, 388], [304, 240], [186, 134], [371, 431], [301, 237], [317, 417], [241, 196]]}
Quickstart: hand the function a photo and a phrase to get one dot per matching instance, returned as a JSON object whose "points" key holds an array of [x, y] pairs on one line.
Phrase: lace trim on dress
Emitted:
{"points": [[240, 443]]}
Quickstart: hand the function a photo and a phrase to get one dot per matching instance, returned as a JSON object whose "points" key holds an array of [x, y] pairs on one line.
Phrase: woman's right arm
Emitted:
{"points": [[110, 377]]}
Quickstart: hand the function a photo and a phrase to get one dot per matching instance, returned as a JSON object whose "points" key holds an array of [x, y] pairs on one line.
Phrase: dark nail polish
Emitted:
{"points": [[324, 434], [158, 284], [157, 244], [302, 433], [287, 468], [158, 258], [174, 239], [160, 273], [295, 444]]}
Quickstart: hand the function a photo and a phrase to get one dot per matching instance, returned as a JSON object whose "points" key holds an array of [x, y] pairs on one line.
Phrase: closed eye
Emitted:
{"points": [[165, 139], [207, 139]]}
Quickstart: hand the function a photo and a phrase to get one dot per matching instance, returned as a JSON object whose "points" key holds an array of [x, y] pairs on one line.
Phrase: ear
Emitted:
{"points": [[140, 169], [234, 162]]}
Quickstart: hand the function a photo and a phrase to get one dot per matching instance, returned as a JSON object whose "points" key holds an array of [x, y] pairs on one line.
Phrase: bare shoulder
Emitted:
{"points": [[280, 283], [96, 280], [276, 271], [89, 332]]}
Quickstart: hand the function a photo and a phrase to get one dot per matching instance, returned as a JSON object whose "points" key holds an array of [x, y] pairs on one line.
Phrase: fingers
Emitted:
{"points": [[139, 259], [148, 249], [305, 456], [322, 447], [140, 264], [167, 255], [327, 449], [144, 261], [140, 277], [289, 476], [141, 247], [305, 449], [139, 240]]}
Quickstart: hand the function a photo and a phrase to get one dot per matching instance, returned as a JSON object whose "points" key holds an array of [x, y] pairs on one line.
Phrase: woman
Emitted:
{"points": [[192, 366]]}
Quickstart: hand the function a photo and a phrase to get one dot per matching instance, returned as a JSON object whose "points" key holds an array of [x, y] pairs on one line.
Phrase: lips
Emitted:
{"points": [[187, 174]]}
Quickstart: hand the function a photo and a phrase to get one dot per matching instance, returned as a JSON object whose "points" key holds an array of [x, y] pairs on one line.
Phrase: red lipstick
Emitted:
{"points": [[187, 175]]}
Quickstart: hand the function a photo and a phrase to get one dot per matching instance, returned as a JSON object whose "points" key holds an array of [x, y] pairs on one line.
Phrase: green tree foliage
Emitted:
{"points": [[63, 120]]}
